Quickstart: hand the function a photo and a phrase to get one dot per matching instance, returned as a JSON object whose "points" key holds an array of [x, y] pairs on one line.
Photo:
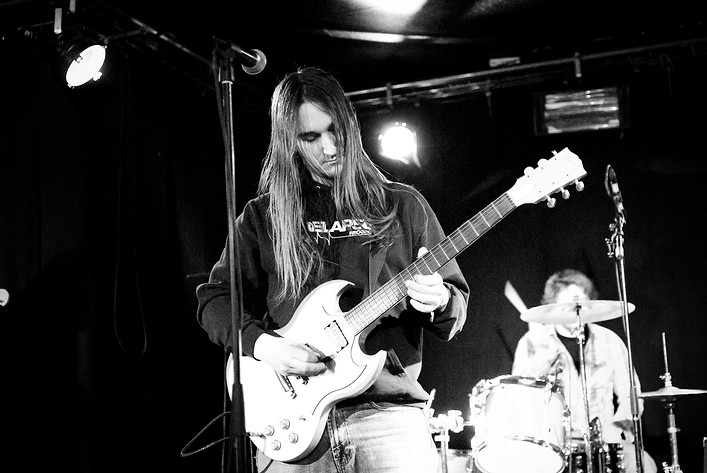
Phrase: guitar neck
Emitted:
{"points": [[392, 292]]}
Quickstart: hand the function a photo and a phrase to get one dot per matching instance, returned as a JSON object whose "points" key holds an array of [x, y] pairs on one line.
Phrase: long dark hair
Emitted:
{"points": [[360, 189]]}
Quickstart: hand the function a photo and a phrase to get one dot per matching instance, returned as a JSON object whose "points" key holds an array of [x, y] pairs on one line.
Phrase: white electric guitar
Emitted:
{"points": [[285, 416]]}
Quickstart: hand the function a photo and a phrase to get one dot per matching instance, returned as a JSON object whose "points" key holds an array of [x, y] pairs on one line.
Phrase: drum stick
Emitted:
{"points": [[515, 299]]}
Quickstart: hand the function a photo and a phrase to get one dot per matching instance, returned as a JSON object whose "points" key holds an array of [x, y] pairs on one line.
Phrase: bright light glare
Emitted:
{"points": [[86, 66], [398, 142], [398, 7]]}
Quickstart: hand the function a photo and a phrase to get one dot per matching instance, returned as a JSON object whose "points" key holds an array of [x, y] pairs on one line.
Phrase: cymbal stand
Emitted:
{"points": [[585, 394], [616, 251], [669, 405]]}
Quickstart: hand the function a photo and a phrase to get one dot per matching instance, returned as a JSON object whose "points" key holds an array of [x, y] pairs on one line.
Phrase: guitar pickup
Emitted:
{"points": [[336, 336]]}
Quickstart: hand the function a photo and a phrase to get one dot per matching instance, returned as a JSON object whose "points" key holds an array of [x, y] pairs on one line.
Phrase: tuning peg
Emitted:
{"points": [[551, 201], [579, 185], [565, 193], [528, 171], [542, 163]]}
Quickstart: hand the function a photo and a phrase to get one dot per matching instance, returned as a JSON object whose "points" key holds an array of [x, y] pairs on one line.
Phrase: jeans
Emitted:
{"points": [[368, 438]]}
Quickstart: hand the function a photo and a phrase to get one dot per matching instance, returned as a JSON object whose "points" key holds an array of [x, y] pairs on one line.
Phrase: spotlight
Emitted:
{"points": [[81, 56], [399, 142], [565, 111]]}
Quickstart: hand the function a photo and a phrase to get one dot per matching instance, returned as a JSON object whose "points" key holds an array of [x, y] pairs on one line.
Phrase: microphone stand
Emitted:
{"points": [[616, 251], [240, 454]]}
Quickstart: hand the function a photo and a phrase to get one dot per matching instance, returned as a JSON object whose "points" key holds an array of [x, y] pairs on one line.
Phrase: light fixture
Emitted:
{"points": [[82, 56], [398, 142], [395, 7], [581, 110]]}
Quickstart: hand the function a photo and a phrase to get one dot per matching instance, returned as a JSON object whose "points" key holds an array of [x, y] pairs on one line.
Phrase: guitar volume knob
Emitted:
{"points": [[269, 430], [275, 445], [293, 437], [284, 424]]}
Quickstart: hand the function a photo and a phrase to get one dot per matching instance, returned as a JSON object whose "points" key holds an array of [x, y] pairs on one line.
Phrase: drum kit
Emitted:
{"points": [[522, 423]]}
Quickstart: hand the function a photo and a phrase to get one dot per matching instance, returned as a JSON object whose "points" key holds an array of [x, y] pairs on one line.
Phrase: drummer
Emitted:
{"points": [[553, 351]]}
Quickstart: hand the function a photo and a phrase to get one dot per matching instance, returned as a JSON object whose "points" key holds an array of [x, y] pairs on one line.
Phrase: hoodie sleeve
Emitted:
{"points": [[214, 312]]}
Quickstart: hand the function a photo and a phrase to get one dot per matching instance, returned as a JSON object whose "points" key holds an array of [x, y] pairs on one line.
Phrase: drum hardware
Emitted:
{"points": [[595, 433], [605, 457], [591, 431], [441, 425], [669, 396], [459, 461], [585, 394]]}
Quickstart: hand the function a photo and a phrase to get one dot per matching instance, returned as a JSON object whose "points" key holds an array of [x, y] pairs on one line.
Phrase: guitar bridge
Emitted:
{"points": [[286, 385]]}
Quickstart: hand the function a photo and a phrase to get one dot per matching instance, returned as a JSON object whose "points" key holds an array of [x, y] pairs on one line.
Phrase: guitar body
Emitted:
{"points": [[293, 421]]}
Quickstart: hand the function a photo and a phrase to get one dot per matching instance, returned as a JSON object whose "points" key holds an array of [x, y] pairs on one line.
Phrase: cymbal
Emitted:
{"points": [[670, 392], [565, 313]]}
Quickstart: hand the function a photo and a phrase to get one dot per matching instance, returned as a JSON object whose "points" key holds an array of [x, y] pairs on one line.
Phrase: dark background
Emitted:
{"points": [[112, 205]]}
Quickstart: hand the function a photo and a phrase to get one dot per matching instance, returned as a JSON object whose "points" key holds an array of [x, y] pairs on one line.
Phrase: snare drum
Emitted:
{"points": [[518, 424]]}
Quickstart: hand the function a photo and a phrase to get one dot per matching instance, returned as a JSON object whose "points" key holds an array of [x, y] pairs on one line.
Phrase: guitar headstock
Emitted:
{"points": [[549, 177]]}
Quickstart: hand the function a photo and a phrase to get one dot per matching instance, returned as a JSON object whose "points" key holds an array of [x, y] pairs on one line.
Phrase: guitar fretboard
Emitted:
{"points": [[392, 292]]}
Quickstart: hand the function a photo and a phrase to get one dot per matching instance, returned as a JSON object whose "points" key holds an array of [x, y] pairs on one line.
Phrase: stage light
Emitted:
{"points": [[81, 56], [399, 142], [396, 7], [581, 110]]}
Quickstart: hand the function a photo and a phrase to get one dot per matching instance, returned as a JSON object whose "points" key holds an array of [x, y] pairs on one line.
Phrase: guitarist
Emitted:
{"points": [[324, 211]]}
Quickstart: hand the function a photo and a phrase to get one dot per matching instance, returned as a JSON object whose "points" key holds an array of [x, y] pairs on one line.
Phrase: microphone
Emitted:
{"points": [[556, 365], [612, 188], [555, 369], [557, 358], [252, 61]]}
